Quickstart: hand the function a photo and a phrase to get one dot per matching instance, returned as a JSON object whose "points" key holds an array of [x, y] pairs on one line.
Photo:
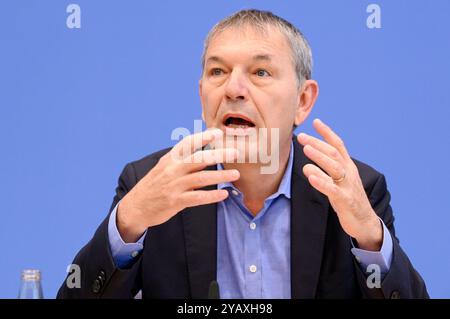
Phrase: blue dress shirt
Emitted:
{"points": [[253, 253]]}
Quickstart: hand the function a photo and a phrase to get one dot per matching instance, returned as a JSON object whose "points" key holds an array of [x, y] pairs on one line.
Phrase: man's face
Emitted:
{"points": [[249, 82]]}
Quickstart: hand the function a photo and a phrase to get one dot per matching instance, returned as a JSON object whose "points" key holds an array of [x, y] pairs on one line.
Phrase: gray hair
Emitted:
{"points": [[260, 20]]}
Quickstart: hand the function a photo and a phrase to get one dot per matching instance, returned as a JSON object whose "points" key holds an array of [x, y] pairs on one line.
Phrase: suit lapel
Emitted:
{"points": [[200, 231], [309, 211]]}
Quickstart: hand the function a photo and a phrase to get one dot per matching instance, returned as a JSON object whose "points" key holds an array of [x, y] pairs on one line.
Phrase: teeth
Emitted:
{"points": [[238, 126]]}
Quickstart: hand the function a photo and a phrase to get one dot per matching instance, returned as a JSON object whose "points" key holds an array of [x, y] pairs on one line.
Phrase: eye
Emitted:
{"points": [[262, 73], [216, 72]]}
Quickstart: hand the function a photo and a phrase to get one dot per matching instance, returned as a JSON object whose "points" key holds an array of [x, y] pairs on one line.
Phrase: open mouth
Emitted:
{"points": [[237, 121]]}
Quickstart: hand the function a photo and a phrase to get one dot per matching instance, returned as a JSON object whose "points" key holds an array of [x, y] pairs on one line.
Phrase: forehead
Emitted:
{"points": [[245, 41]]}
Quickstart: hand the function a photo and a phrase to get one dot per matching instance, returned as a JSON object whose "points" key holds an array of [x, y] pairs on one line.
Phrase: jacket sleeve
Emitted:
{"points": [[402, 280], [100, 277]]}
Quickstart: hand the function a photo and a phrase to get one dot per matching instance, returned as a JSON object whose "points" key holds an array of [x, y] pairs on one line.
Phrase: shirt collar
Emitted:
{"points": [[285, 184]]}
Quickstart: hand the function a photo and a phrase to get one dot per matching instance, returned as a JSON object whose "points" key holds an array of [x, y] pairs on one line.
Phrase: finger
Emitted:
{"points": [[330, 137], [201, 159], [205, 178], [330, 166], [191, 143], [325, 186], [305, 139], [201, 197], [311, 169]]}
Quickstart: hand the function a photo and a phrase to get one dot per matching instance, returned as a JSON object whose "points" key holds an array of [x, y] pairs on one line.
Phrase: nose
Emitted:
{"points": [[236, 87]]}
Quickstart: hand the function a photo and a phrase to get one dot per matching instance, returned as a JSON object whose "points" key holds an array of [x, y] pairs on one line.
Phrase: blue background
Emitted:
{"points": [[78, 104]]}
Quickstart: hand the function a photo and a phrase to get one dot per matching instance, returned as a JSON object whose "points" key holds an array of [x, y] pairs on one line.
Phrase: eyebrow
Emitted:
{"points": [[214, 59], [258, 57], [262, 57]]}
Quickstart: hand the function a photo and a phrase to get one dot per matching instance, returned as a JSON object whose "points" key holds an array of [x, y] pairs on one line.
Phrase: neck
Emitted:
{"points": [[256, 187]]}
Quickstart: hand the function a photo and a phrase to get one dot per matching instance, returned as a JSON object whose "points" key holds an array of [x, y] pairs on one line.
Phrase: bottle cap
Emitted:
{"points": [[31, 275]]}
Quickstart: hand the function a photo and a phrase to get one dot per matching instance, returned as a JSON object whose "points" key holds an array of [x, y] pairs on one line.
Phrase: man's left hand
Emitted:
{"points": [[336, 175]]}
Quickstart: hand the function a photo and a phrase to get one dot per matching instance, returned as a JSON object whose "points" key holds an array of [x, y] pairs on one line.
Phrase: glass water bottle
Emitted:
{"points": [[31, 287]]}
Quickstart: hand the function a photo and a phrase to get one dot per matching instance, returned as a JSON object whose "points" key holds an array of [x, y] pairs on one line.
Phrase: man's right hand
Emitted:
{"points": [[172, 185]]}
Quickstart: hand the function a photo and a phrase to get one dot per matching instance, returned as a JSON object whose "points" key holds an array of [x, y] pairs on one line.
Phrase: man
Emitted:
{"points": [[319, 226]]}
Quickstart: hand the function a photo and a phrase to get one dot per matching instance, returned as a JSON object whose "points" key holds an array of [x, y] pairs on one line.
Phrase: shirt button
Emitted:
{"points": [[252, 226], [134, 254], [235, 192], [253, 268]]}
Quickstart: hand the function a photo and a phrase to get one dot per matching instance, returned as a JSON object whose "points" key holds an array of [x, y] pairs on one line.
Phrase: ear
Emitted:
{"points": [[201, 99], [307, 96]]}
